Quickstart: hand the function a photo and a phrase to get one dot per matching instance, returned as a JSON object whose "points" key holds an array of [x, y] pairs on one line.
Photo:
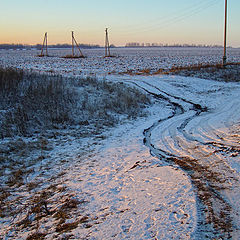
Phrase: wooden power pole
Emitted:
{"points": [[74, 41], [107, 45], [72, 44], [44, 45], [225, 36]]}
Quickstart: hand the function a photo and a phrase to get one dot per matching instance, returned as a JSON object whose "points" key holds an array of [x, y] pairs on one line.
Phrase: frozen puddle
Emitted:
{"points": [[130, 195]]}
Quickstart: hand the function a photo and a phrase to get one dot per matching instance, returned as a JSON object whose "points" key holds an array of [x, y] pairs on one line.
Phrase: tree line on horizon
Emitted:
{"points": [[137, 44], [91, 46], [39, 46]]}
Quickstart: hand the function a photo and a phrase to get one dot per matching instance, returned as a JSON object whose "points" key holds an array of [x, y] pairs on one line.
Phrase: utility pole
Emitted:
{"points": [[74, 41], [43, 45], [72, 44], [225, 36], [46, 44], [107, 46]]}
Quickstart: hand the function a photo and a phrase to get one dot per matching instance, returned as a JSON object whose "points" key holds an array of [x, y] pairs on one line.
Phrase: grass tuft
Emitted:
{"points": [[36, 236], [66, 227], [32, 103]]}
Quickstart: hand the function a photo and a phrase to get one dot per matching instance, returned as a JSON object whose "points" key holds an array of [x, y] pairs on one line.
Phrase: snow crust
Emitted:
{"points": [[211, 137], [127, 59], [131, 191], [131, 194]]}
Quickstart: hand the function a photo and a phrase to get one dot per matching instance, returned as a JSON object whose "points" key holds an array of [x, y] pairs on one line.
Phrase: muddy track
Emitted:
{"points": [[214, 210]]}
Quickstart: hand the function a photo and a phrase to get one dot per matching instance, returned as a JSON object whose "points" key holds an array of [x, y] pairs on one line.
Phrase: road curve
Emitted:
{"points": [[193, 139]]}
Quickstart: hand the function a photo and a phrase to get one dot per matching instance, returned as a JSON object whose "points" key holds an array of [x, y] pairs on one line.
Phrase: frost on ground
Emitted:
{"points": [[113, 189], [39, 115], [198, 137], [127, 60], [170, 174]]}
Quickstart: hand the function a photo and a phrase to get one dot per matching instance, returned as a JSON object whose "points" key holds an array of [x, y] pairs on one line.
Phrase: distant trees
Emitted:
{"points": [[14, 46], [133, 44], [137, 44], [39, 46], [89, 46]]}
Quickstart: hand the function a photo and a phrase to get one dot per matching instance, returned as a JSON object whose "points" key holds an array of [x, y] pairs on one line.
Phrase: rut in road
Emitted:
{"points": [[208, 173]]}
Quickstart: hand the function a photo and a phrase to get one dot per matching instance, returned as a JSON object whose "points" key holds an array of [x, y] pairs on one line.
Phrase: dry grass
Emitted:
{"points": [[207, 182], [40, 106], [228, 73], [41, 207], [36, 236], [32, 103], [16, 178], [202, 66], [3, 206], [66, 227], [217, 71]]}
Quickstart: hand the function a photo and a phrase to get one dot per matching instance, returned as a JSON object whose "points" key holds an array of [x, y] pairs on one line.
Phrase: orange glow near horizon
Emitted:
{"points": [[190, 22]]}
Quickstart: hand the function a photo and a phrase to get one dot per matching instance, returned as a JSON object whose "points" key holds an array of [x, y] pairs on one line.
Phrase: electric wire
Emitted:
{"points": [[187, 13], [183, 11]]}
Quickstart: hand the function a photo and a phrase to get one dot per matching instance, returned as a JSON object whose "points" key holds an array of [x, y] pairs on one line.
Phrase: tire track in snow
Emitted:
{"points": [[214, 210]]}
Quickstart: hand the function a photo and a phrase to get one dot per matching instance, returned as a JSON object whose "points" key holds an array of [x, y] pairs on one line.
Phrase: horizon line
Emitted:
{"points": [[141, 45]]}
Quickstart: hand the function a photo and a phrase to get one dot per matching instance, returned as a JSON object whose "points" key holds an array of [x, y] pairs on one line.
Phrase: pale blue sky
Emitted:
{"points": [[153, 21]]}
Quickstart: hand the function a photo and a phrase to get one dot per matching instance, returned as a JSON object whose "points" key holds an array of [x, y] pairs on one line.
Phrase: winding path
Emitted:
{"points": [[189, 139]]}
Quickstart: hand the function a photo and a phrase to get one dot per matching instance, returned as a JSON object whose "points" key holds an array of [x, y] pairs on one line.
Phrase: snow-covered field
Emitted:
{"points": [[128, 59], [173, 174]]}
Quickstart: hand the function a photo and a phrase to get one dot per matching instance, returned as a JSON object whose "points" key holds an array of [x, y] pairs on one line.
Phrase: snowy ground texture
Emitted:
{"points": [[127, 60], [173, 174]]}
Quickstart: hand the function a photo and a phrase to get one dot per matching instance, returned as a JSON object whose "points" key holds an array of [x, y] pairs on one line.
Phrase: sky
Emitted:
{"points": [[143, 21]]}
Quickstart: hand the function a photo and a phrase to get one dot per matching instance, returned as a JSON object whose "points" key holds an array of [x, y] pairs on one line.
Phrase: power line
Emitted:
{"points": [[188, 12], [183, 11]]}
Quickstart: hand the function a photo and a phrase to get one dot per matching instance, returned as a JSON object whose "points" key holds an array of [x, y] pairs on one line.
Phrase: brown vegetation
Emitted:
{"points": [[230, 72], [34, 103]]}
